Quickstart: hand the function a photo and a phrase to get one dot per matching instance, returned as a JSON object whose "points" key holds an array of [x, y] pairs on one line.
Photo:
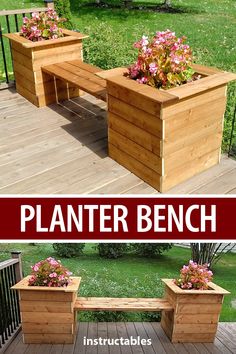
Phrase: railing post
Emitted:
{"points": [[49, 3], [18, 266]]}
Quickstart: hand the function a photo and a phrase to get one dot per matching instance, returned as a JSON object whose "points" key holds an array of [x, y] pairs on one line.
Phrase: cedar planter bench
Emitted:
{"points": [[79, 75]]}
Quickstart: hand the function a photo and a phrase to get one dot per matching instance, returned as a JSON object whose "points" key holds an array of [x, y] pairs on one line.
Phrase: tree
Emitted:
{"points": [[209, 253]]}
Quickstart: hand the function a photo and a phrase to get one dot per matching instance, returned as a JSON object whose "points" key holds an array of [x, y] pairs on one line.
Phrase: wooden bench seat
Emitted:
{"points": [[79, 74], [121, 304]]}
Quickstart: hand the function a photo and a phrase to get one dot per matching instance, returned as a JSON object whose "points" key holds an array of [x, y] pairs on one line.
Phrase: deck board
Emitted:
{"points": [[225, 342], [63, 149]]}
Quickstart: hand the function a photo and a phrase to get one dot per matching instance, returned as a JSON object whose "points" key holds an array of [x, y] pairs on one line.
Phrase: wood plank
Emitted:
{"points": [[134, 133], [92, 334], [76, 70], [205, 70], [46, 318], [205, 98], [142, 119], [106, 74], [122, 333], [90, 87], [143, 92], [103, 333], [147, 349], [71, 288], [196, 328], [48, 338], [79, 343], [85, 66], [112, 333], [135, 166], [46, 306], [199, 318], [168, 346], [209, 112], [122, 304], [193, 308], [143, 155], [55, 51], [193, 337], [200, 164], [192, 152], [203, 85], [47, 328], [132, 332], [156, 343], [23, 11]]}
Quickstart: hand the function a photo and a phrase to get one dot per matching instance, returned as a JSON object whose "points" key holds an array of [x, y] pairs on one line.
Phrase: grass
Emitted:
{"points": [[209, 26], [103, 277]]}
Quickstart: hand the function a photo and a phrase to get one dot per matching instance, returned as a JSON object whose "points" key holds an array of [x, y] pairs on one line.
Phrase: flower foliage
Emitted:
{"points": [[49, 272], [194, 276], [42, 26], [164, 61]]}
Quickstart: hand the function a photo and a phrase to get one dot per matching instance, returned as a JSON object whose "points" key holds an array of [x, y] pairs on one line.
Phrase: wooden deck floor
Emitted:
{"points": [[63, 149], [225, 341]]}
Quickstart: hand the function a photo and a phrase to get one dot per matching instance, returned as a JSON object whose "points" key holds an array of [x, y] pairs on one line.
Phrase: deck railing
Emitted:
{"points": [[10, 274], [11, 21]]}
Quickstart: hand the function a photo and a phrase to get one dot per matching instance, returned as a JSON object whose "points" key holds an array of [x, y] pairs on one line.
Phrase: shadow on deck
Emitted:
{"points": [[225, 341], [63, 149]]}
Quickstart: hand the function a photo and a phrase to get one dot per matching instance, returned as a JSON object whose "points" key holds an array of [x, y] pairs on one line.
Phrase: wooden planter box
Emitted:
{"points": [[196, 313], [166, 137], [28, 58], [47, 314]]}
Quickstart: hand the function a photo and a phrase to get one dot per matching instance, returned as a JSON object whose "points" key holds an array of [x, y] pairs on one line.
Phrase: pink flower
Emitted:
{"points": [[153, 68], [143, 80]]}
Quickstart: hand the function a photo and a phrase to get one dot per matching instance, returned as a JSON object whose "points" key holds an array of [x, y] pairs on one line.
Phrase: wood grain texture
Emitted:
{"points": [[122, 304]]}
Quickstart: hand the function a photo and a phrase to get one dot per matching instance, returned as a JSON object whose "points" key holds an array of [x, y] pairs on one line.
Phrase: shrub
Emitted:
{"points": [[49, 272], [163, 62], [194, 276], [42, 26], [69, 250], [111, 250], [150, 249], [63, 9]]}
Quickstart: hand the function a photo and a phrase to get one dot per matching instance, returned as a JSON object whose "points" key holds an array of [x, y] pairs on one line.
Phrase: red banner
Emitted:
{"points": [[117, 218]]}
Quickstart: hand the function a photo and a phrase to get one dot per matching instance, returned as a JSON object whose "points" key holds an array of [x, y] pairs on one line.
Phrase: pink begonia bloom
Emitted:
{"points": [[35, 15], [53, 275], [68, 273], [143, 80], [61, 277], [25, 20], [153, 68], [35, 268]]}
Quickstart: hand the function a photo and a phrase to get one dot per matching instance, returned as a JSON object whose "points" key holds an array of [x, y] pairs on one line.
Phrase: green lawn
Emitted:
{"points": [[130, 276], [209, 26]]}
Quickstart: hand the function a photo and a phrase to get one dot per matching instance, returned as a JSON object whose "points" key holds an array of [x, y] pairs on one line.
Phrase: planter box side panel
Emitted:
{"points": [[47, 317], [196, 317], [193, 142], [36, 86], [135, 135]]}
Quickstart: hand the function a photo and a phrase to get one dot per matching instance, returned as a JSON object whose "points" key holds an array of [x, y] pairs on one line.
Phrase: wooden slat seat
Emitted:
{"points": [[121, 304], [80, 74]]}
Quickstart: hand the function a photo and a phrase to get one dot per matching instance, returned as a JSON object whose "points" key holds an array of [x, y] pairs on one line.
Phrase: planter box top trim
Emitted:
{"points": [[70, 36], [214, 289], [212, 78], [23, 285]]}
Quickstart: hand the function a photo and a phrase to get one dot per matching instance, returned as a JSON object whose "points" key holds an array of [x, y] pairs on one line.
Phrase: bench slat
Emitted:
{"points": [[85, 80], [121, 304]]}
